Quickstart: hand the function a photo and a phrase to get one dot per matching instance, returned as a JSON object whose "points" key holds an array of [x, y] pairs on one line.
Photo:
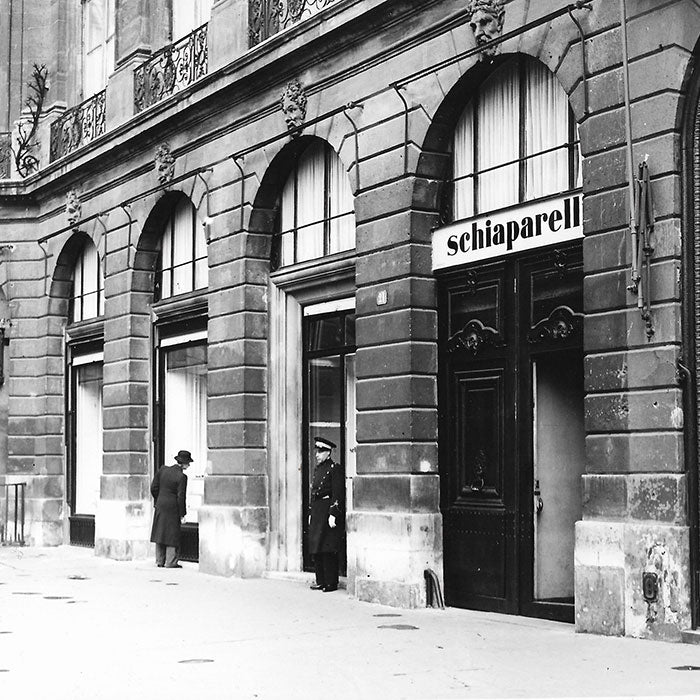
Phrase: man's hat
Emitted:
{"points": [[184, 456], [323, 444]]}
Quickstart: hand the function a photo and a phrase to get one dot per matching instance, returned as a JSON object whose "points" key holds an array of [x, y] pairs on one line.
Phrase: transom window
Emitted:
{"points": [[188, 15], [87, 298], [515, 141], [183, 259], [317, 216], [98, 44]]}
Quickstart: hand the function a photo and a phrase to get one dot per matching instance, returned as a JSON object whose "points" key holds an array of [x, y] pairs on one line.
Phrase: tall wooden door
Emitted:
{"points": [[511, 432]]}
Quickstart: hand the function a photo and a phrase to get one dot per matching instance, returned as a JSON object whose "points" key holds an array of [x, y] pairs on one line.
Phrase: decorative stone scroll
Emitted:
{"points": [[473, 337], [486, 19], [164, 164], [293, 101], [561, 325], [74, 208]]}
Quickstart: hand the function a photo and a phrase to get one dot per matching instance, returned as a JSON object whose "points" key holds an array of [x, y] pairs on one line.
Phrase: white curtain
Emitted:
{"points": [[186, 416], [287, 221], [98, 44], [342, 224], [310, 202], [463, 165], [88, 437], [547, 126], [88, 285], [184, 265], [498, 118]]}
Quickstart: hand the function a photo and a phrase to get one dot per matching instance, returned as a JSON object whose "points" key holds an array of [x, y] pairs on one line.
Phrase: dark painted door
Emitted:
{"points": [[511, 403]]}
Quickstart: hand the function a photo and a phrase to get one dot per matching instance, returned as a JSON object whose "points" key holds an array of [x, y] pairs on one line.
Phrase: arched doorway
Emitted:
{"points": [[509, 265], [311, 297]]}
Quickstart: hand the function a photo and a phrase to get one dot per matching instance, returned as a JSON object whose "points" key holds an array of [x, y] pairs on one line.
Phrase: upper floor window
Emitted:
{"points": [[317, 217], [88, 285], [98, 44], [515, 141], [188, 15], [183, 263]]}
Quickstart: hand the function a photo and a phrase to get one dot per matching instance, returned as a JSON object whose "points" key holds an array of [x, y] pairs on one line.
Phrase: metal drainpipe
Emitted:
{"points": [[634, 281]]}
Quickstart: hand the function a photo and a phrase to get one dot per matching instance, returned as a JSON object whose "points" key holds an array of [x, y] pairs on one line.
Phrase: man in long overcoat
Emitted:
{"points": [[169, 489], [326, 509]]}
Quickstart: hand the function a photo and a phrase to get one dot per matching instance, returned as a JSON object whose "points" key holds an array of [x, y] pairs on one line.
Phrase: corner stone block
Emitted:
{"points": [[663, 551], [388, 554], [599, 578], [233, 541], [123, 529]]}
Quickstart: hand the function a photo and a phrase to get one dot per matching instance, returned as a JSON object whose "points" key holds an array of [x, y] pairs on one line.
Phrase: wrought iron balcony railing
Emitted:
{"points": [[172, 68], [5, 156], [267, 17], [78, 126]]}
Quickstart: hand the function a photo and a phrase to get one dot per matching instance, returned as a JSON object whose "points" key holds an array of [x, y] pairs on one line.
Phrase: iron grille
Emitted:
{"points": [[82, 530], [5, 156], [13, 520], [189, 542], [267, 17], [171, 69], [78, 126]]}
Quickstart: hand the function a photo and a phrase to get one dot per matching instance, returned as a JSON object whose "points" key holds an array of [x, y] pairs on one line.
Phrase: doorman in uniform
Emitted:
{"points": [[326, 510], [169, 489]]}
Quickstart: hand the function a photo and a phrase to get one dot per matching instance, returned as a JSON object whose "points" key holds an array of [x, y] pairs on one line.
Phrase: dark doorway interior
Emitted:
{"points": [[511, 431], [329, 380]]}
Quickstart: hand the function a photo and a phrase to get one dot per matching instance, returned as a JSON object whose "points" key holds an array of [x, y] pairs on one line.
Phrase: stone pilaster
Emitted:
{"points": [[228, 32], [122, 522], [395, 529], [233, 521]]}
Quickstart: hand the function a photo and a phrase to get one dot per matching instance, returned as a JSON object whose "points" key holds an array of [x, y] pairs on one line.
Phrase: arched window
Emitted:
{"points": [[515, 141], [317, 215], [183, 259], [88, 286]]}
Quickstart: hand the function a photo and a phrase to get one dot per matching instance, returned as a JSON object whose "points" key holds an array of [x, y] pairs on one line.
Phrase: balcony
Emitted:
{"points": [[267, 17], [171, 69], [78, 126]]}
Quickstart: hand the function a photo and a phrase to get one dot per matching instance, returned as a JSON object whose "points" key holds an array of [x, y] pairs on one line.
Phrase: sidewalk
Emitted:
{"points": [[74, 626]]}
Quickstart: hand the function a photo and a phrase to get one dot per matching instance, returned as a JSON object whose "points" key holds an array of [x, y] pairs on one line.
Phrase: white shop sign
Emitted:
{"points": [[513, 230]]}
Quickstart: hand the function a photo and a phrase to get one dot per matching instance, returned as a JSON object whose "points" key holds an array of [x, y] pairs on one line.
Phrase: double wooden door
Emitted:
{"points": [[511, 431]]}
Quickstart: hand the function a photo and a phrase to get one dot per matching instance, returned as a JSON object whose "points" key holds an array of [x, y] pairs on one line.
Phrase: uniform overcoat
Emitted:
{"points": [[168, 489], [327, 498]]}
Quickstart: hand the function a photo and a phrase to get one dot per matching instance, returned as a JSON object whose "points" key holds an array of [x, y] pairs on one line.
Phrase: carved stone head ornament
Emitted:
{"points": [[293, 101], [164, 164], [73, 207], [486, 18]]}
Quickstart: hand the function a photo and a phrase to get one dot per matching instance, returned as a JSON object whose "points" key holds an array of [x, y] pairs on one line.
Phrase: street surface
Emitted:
{"points": [[74, 626]]}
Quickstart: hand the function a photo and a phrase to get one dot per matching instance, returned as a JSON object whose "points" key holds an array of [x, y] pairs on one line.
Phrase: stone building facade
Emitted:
{"points": [[230, 226]]}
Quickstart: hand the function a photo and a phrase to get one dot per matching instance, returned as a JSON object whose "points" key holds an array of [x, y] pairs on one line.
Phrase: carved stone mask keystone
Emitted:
{"points": [[164, 164], [293, 101], [486, 19], [74, 209]]}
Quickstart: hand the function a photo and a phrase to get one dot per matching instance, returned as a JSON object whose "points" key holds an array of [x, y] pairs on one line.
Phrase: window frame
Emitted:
{"points": [[163, 272], [107, 40], [572, 145], [98, 290], [327, 219]]}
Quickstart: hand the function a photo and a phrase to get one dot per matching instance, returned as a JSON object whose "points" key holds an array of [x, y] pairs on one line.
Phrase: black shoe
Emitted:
{"points": [[330, 589], [160, 566], [173, 566], [316, 587]]}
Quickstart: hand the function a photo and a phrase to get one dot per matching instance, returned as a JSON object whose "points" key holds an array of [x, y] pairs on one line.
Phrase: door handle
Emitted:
{"points": [[539, 504]]}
